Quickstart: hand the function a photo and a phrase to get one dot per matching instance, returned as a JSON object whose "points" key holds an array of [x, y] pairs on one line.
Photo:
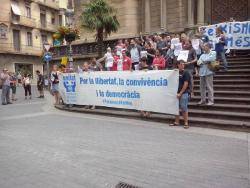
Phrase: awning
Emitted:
{"points": [[15, 8]]}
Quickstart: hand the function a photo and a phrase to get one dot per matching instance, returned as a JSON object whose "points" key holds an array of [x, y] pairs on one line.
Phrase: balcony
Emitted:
{"points": [[80, 51], [22, 50], [24, 21], [48, 3], [47, 26]]}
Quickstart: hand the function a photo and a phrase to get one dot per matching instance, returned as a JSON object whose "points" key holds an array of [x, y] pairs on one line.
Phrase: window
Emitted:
{"points": [[43, 17], [16, 40], [28, 11], [29, 38], [3, 31], [53, 18], [44, 38], [60, 20]]}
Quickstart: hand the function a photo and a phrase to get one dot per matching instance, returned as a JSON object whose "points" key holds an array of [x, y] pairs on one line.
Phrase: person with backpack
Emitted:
{"points": [[40, 84], [5, 83], [206, 75], [27, 85], [183, 94]]}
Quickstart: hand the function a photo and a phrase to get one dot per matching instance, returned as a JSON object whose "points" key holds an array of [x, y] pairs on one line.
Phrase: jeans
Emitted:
{"points": [[5, 94], [183, 102], [223, 58], [206, 83]]}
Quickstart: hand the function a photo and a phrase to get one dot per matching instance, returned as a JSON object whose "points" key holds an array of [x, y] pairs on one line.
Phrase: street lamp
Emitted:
{"points": [[69, 20]]}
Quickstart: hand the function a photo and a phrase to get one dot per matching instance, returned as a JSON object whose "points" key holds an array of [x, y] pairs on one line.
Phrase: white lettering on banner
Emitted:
{"points": [[237, 33], [153, 91]]}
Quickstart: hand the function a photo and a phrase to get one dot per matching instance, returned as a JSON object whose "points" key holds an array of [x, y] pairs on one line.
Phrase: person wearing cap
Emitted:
{"points": [[5, 79], [183, 94]]}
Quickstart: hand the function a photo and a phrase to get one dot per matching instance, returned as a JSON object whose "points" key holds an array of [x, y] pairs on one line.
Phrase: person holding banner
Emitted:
{"points": [[183, 94], [143, 66], [219, 47], [206, 75]]}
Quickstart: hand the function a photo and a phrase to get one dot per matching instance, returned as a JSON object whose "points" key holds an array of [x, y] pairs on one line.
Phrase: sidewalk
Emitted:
{"points": [[157, 117]]}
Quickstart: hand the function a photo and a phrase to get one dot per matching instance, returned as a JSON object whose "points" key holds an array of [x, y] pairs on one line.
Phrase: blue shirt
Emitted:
{"points": [[219, 47], [203, 62]]}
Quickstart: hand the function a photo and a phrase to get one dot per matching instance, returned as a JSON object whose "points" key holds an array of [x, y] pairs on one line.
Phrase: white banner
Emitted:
{"points": [[237, 33], [153, 91]]}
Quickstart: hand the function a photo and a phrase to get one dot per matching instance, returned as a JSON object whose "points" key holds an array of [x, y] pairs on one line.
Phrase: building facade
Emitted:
{"points": [[25, 25], [154, 16]]}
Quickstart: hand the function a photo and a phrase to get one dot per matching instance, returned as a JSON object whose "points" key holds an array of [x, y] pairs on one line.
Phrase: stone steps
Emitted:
{"points": [[238, 87], [222, 93], [232, 101], [194, 121], [221, 107], [228, 76], [227, 81], [234, 71], [226, 100], [226, 115]]}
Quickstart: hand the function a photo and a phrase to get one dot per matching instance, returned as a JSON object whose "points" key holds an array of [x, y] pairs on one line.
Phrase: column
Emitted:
{"points": [[147, 16], [200, 12], [190, 13], [163, 14]]}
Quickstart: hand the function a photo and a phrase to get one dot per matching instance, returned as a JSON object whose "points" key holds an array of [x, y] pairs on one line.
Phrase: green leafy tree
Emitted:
{"points": [[100, 17]]}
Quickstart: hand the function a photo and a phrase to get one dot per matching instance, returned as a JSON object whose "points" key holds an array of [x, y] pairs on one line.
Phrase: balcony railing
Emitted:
{"points": [[47, 26], [23, 20], [22, 49], [80, 50], [48, 3]]}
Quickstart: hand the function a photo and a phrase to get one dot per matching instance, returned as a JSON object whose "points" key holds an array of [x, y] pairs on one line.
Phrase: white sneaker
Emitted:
{"points": [[201, 103], [210, 103]]}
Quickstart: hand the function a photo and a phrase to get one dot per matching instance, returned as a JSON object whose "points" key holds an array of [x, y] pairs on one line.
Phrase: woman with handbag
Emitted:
{"points": [[206, 61]]}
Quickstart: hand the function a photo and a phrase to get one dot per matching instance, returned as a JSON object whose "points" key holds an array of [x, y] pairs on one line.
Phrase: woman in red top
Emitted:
{"points": [[159, 62], [116, 58]]}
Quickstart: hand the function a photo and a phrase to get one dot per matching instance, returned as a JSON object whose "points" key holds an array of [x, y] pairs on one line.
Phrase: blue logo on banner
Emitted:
{"points": [[69, 83]]}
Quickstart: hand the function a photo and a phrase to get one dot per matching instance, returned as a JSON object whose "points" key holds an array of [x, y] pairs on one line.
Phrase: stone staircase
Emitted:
{"points": [[232, 100], [232, 97]]}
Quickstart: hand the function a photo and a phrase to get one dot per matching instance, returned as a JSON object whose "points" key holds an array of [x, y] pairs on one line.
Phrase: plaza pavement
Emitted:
{"points": [[41, 146]]}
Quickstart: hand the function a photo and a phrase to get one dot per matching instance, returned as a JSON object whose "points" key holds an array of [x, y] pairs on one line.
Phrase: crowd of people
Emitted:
{"points": [[154, 52], [9, 82]]}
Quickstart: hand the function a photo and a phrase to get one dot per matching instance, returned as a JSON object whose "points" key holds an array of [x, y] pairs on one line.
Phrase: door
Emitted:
{"points": [[223, 10], [16, 40]]}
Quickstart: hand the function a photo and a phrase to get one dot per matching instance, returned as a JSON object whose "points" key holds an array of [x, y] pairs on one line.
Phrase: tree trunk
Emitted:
{"points": [[100, 43]]}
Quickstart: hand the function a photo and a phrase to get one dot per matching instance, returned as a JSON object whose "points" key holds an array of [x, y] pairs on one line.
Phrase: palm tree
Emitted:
{"points": [[98, 16]]}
